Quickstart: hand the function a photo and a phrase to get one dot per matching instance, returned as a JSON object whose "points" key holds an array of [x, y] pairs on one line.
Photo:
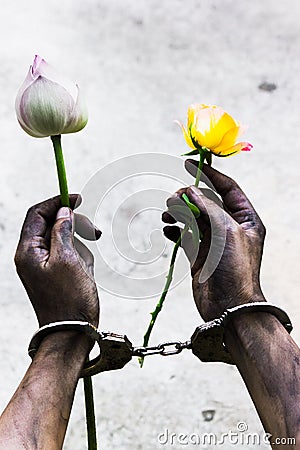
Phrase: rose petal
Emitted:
{"points": [[210, 125], [239, 147], [186, 135], [229, 140]]}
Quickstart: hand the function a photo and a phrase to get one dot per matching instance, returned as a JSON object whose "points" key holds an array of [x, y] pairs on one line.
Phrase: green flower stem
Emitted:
{"points": [[61, 171], [90, 413], [163, 296], [200, 166], [160, 303], [87, 381]]}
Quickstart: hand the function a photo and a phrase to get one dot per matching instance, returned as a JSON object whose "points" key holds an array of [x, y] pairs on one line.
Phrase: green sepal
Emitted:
{"points": [[195, 210], [225, 156], [192, 152], [208, 158]]}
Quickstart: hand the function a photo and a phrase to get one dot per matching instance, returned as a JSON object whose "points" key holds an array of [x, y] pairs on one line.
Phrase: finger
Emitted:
{"points": [[187, 243], [209, 193], [178, 210], [196, 254], [211, 213], [62, 239], [191, 166], [85, 254], [176, 197], [85, 228], [235, 201], [167, 218], [42, 215], [172, 233]]}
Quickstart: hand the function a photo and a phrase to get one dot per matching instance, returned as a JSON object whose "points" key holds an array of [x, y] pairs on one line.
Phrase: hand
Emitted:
{"points": [[236, 279], [56, 268]]}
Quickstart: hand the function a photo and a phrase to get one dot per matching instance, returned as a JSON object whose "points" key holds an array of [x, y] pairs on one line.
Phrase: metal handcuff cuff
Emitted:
{"points": [[207, 341]]}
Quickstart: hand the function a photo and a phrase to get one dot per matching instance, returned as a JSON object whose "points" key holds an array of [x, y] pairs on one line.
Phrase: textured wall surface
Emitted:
{"points": [[141, 64]]}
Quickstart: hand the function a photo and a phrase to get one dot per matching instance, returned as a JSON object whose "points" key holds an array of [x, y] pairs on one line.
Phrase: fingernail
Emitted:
{"points": [[195, 190], [97, 232], [63, 213]]}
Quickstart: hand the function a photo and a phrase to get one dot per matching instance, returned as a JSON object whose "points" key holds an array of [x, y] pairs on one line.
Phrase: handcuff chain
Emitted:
{"points": [[160, 349]]}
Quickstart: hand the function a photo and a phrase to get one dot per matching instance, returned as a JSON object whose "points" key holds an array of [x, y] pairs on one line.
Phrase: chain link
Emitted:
{"points": [[175, 348]]}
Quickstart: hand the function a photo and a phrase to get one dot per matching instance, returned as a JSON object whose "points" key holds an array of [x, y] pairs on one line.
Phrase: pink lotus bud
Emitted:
{"points": [[49, 105]]}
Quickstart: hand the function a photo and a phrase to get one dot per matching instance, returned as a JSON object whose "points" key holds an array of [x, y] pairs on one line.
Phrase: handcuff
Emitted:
{"points": [[116, 350]]}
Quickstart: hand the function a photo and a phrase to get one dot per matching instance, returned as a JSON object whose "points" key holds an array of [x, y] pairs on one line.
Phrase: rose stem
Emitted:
{"points": [[87, 381], [200, 166], [163, 296], [160, 303]]}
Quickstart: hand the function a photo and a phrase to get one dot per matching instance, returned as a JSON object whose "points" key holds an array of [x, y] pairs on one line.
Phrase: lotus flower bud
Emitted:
{"points": [[49, 105]]}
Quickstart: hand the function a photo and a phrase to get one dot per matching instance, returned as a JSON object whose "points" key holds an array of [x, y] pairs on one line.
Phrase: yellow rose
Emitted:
{"points": [[212, 128]]}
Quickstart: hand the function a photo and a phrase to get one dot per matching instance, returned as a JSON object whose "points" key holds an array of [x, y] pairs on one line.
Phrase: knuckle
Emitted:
{"points": [[31, 210], [261, 229], [21, 256], [172, 200], [180, 191], [231, 183], [256, 223], [19, 259], [30, 215], [25, 258], [92, 258], [232, 227]]}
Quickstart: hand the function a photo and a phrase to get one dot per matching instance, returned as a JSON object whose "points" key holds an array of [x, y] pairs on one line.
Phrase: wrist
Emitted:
{"points": [[71, 344], [245, 332], [245, 299], [246, 318]]}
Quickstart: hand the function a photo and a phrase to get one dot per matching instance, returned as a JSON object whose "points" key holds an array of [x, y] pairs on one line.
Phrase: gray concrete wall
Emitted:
{"points": [[141, 63]]}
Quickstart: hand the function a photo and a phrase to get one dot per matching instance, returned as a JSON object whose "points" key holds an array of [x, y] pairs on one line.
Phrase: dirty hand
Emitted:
{"points": [[235, 280], [55, 267]]}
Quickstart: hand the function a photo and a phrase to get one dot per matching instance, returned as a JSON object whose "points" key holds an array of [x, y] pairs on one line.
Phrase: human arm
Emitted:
{"points": [[57, 272], [265, 354]]}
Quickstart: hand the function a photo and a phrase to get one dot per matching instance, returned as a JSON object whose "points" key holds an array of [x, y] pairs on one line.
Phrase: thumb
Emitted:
{"points": [[211, 212], [62, 239]]}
